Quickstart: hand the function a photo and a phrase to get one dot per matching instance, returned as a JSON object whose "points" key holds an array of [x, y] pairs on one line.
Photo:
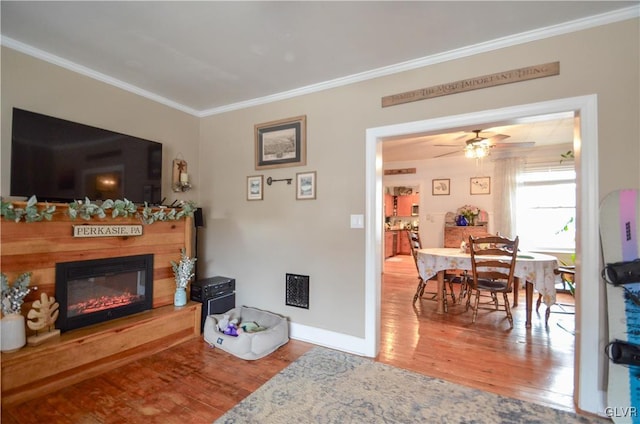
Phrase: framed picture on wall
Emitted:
{"points": [[281, 143], [254, 187], [306, 185], [480, 185], [441, 187]]}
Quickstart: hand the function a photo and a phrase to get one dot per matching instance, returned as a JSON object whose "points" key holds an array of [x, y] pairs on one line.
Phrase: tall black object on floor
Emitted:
{"points": [[217, 295], [198, 222]]}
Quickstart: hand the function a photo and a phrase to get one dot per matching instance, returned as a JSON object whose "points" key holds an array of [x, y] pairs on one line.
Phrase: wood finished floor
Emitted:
{"points": [[193, 383]]}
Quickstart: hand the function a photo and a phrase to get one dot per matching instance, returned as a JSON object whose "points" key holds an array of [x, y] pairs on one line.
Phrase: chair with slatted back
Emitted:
{"points": [[416, 244], [493, 261]]}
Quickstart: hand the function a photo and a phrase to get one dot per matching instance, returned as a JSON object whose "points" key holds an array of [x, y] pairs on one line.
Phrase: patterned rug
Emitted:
{"points": [[327, 386]]}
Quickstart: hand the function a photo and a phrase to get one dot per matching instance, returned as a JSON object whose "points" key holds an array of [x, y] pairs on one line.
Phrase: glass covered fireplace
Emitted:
{"points": [[93, 291]]}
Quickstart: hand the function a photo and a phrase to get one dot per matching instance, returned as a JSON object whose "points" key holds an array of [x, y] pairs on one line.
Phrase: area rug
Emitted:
{"points": [[327, 386]]}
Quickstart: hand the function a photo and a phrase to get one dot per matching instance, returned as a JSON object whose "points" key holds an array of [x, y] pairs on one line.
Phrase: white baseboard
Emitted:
{"points": [[330, 339]]}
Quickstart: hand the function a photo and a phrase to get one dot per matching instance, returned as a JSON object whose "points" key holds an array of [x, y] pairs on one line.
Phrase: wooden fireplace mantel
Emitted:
{"points": [[36, 247]]}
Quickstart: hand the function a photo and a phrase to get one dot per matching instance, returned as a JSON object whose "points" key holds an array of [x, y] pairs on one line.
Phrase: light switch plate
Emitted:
{"points": [[357, 221]]}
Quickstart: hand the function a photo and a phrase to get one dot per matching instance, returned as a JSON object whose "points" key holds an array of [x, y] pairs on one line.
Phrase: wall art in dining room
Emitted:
{"points": [[441, 187], [480, 185], [281, 143]]}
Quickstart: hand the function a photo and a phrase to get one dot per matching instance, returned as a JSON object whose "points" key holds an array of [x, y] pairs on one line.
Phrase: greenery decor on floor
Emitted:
{"points": [[86, 209]]}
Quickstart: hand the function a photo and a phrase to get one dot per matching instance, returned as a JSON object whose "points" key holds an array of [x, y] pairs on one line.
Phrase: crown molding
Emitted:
{"points": [[88, 72], [499, 43]]}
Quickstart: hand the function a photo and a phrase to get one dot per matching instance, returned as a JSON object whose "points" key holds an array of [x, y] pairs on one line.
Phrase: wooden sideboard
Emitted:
{"points": [[454, 235]]}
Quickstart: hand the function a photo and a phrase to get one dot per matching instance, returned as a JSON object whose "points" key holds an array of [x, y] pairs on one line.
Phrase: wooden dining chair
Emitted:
{"points": [[416, 244], [449, 277], [493, 261]]}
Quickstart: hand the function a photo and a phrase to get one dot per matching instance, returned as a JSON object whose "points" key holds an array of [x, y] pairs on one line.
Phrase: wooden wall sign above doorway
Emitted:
{"points": [[400, 171], [485, 81]]}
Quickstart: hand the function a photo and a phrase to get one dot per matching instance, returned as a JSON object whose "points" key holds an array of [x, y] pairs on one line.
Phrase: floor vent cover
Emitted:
{"points": [[297, 290]]}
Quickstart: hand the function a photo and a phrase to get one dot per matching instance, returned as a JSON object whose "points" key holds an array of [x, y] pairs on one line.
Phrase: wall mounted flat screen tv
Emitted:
{"points": [[63, 161]]}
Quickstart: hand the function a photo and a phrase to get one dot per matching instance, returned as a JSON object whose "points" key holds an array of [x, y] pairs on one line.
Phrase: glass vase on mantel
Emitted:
{"points": [[180, 296], [183, 272]]}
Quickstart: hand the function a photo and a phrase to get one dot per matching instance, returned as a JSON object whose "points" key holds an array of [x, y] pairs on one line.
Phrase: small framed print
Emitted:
{"points": [[306, 185], [441, 187], [480, 185], [254, 187], [281, 143]]}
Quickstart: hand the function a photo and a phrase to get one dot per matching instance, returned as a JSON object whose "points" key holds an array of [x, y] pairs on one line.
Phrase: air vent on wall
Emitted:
{"points": [[297, 290]]}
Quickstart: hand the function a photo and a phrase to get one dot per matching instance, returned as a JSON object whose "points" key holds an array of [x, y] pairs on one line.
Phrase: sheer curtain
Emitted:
{"points": [[506, 172]]}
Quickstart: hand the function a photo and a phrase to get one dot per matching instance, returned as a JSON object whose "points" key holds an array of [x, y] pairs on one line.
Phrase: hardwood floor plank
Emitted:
{"points": [[194, 383], [534, 364]]}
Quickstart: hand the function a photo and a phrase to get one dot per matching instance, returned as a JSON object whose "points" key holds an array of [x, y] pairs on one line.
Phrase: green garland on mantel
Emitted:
{"points": [[86, 210]]}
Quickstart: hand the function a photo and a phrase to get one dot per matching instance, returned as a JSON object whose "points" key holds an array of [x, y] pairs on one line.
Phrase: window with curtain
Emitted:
{"points": [[546, 208]]}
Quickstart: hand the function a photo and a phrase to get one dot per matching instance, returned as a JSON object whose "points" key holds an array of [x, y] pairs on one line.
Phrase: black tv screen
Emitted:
{"points": [[61, 161]]}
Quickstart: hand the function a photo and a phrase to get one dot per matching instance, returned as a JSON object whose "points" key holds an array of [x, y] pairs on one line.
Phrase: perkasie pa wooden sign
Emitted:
{"points": [[107, 230]]}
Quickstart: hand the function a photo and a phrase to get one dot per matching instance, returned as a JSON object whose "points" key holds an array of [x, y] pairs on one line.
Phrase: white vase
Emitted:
{"points": [[180, 297], [12, 332]]}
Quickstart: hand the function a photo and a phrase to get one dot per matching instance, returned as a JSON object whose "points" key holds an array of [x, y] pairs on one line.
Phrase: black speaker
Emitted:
{"points": [[217, 295], [217, 305], [198, 218]]}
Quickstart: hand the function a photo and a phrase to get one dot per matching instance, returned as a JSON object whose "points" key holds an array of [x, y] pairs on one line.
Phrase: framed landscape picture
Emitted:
{"points": [[305, 185], [254, 187], [480, 185], [281, 143]]}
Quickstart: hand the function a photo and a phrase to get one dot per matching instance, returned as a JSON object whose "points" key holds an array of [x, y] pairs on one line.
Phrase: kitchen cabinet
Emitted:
{"points": [[405, 204], [454, 235], [404, 246], [388, 205], [390, 243]]}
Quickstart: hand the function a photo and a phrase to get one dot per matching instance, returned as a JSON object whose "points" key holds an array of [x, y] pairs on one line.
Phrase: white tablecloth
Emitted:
{"points": [[535, 268]]}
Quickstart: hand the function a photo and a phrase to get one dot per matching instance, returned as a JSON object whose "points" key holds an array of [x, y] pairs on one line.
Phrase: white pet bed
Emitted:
{"points": [[248, 345]]}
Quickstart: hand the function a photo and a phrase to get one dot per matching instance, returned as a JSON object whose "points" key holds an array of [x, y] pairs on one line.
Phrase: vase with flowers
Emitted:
{"points": [[183, 272], [12, 325], [469, 213]]}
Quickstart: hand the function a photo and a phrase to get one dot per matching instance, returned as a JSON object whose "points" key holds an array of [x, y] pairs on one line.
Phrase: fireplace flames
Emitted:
{"points": [[103, 303]]}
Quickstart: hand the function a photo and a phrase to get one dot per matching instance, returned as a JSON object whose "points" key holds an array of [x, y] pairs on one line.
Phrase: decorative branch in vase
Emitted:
{"points": [[183, 272]]}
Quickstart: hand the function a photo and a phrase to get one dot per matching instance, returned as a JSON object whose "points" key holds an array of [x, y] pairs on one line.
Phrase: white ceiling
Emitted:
{"points": [[540, 131], [207, 57]]}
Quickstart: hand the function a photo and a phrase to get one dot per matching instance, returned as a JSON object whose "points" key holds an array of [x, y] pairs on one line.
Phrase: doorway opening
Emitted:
{"points": [[588, 394]]}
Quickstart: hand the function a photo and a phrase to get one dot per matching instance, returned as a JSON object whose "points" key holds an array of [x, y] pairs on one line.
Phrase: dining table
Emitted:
{"points": [[533, 270]]}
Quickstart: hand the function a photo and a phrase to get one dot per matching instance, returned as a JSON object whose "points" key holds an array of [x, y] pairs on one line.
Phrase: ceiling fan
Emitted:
{"points": [[479, 145]]}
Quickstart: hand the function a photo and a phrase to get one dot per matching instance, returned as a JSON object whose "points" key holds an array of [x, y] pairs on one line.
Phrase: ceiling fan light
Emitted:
{"points": [[476, 151]]}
